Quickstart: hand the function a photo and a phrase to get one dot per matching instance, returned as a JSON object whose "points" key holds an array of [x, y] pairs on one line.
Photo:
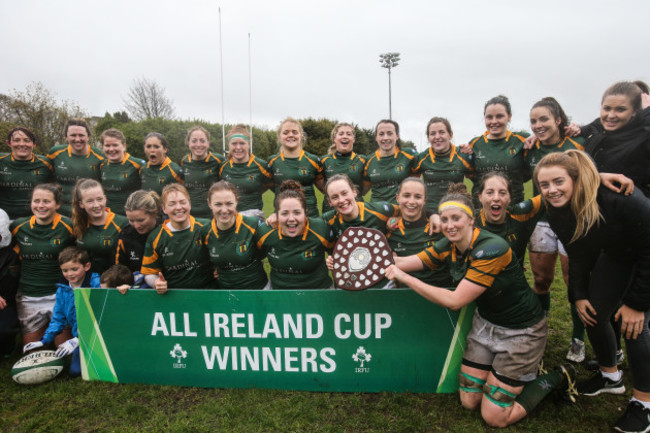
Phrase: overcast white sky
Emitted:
{"points": [[320, 59]]}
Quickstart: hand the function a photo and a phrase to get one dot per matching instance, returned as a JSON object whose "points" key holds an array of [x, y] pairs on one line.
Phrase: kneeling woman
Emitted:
{"points": [[508, 336], [173, 255], [230, 241], [296, 249], [607, 236]]}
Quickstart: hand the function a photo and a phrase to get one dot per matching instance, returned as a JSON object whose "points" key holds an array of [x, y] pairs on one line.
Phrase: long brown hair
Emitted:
{"points": [[79, 215]]}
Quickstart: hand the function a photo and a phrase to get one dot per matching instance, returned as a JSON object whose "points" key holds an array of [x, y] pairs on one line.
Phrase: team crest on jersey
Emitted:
{"points": [[208, 171], [306, 255], [303, 171], [399, 168], [36, 172], [125, 175], [512, 238], [198, 242], [242, 247], [161, 180], [512, 151], [353, 167], [107, 242], [251, 177], [55, 241]]}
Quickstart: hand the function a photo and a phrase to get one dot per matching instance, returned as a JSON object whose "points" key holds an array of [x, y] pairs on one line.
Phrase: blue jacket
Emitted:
{"points": [[64, 312]]}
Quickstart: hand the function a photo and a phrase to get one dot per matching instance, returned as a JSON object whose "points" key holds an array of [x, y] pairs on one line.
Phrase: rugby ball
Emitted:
{"points": [[37, 367]]}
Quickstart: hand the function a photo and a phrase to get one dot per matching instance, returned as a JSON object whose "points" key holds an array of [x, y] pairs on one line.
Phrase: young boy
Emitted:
{"points": [[75, 264], [119, 277]]}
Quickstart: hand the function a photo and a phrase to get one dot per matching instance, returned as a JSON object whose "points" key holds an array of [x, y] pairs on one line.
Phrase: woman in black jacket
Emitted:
{"points": [[607, 237]]}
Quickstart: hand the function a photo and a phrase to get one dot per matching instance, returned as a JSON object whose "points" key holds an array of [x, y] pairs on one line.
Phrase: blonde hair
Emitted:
{"points": [[335, 131], [146, 201], [303, 136], [239, 129], [586, 181], [174, 187]]}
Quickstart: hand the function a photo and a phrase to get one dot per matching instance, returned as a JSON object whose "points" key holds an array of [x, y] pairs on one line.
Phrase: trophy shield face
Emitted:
{"points": [[360, 257]]}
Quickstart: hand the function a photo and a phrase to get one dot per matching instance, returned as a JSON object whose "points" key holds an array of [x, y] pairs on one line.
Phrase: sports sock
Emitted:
{"points": [[545, 300], [645, 404], [535, 391], [578, 327], [612, 376]]}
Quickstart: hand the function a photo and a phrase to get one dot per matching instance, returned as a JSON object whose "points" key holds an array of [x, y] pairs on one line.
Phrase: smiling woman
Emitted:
{"points": [[160, 170]]}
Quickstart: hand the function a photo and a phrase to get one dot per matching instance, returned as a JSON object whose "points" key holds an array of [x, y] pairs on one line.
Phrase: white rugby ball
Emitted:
{"points": [[37, 367]]}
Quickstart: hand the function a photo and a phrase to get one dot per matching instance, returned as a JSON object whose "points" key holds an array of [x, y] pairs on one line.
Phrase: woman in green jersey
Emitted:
{"points": [[249, 174], [20, 171], [230, 240], [389, 165], [294, 163], [498, 373], [499, 149], [174, 256], [296, 249], [160, 170], [200, 169], [74, 161], [412, 234], [95, 226], [441, 164], [38, 240], [120, 171], [341, 159]]}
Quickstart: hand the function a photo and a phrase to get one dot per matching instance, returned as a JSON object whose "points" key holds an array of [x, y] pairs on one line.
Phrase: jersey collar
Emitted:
{"points": [[55, 221], [87, 155], [378, 153], [238, 221], [477, 231], [305, 230], [164, 164], [302, 153], [507, 137]]}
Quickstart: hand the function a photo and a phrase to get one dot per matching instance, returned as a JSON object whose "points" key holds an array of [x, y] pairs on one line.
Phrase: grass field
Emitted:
{"points": [[66, 405]]}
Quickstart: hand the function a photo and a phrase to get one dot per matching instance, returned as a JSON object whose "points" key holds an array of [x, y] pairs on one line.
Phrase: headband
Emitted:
{"points": [[455, 204], [238, 136]]}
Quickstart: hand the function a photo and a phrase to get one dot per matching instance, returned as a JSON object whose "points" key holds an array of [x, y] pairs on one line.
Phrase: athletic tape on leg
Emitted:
{"points": [[469, 383], [499, 396]]}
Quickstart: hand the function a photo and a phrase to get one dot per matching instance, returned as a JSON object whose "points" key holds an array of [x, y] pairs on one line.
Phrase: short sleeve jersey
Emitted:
{"points": [[233, 254], [119, 180], [519, 225], [250, 178], [199, 176], [180, 256], [100, 241], [306, 169], [505, 155], [371, 215], [350, 164], [38, 247], [438, 171], [412, 237], [70, 167], [297, 262], [508, 300], [18, 179], [385, 173], [539, 151], [155, 177]]}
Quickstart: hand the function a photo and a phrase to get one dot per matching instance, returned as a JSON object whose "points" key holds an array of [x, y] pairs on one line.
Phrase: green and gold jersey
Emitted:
{"points": [[504, 155], [38, 247], [539, 151], [386, 173], [297, 262], [101, 241], [373, 215], [119, 180], [199, 177], [233, 254], [250, 178], [70, 167], [155, 177], [412, 237], [508, 300], [305, 169], [519, 225], [180, 256], [350, 164], [438, 171], [18, 179]]}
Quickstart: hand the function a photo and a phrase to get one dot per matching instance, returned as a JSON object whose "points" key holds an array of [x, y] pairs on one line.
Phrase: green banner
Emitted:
{"points": [[316, 340]]}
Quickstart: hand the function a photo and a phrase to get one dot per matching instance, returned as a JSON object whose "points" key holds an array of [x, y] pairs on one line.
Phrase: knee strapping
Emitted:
{"points": [[499, 396], [470, 383]]}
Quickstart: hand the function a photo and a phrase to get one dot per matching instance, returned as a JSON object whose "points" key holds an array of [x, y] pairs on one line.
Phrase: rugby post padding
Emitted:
{"points": [[313, 340]]}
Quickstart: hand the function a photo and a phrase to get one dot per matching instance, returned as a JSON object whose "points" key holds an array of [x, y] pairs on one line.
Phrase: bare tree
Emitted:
{"points": [[146, 100]]}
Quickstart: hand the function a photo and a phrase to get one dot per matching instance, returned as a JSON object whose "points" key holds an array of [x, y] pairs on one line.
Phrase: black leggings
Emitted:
{"points": [[609, 280]]}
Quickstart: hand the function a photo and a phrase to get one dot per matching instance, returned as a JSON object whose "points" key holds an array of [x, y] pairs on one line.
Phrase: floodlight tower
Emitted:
{"points": [[389, 61]]}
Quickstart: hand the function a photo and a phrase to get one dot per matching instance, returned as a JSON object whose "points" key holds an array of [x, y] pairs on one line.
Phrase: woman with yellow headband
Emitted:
{"points": [[248, 173], [498, 373], [201, 169]]}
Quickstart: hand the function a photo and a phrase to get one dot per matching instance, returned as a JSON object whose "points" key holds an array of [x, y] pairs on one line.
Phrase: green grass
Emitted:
{"points": [[65, 405]]}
